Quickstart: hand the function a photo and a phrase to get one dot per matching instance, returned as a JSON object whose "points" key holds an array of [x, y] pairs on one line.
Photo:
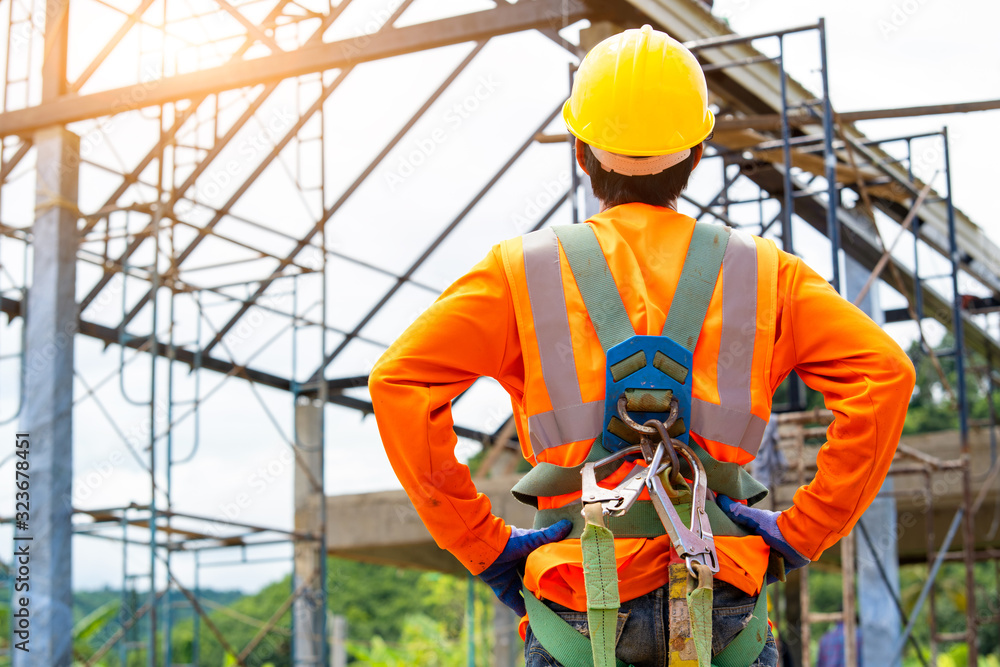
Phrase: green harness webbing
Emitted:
{"points": [[612, 325], [726, 477], [604, 302], [748, 644], [600, 576], [694, 289], [548, 479], [699, 602], [551, 630], [596, 285], [640, 521], [575, 649]]}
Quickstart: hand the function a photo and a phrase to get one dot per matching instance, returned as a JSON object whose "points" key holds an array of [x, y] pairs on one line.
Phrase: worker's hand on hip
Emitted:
{"points": [[763, 523], [504, 575]]}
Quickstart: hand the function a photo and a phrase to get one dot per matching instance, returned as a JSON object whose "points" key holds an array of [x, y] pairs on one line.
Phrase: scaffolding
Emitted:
{"points": [[800, 434], [169, 265]]}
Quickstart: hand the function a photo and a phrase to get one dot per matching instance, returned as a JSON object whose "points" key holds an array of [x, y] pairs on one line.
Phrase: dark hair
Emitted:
{"points": [[661, 189]]}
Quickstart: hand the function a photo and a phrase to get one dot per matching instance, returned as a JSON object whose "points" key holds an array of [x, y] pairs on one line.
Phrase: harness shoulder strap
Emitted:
{"points": [[597, 286], [696, 285], [603, 300]]}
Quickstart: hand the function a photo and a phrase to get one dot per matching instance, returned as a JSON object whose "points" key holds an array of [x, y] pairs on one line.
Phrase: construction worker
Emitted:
{"points": [[527, 316]]}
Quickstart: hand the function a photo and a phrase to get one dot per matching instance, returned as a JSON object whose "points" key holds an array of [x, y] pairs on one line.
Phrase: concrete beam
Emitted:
{"points": [[388, 530], [922, 502], [334, 388]]}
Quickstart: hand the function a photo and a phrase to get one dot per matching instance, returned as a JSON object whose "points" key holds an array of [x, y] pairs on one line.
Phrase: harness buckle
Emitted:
{"points": [[618, 500]]}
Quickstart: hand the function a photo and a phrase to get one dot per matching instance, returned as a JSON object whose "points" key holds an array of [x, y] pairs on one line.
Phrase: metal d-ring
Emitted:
{"points": [[631, 423], [675, 412]]}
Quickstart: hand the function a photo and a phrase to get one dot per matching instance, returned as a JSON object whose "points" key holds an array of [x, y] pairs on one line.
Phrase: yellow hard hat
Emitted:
{"points": [[639, 92]]}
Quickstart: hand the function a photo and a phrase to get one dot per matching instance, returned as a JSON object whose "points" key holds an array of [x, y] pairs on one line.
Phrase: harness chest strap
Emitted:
{"points": [[547, 479]]}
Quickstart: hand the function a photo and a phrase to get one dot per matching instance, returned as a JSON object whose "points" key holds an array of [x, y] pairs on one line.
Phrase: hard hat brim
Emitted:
{"points": [[586, 137]]}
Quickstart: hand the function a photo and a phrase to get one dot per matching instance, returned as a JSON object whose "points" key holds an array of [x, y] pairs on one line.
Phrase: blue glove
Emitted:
{"points": [[504, 575], [763, 523]]}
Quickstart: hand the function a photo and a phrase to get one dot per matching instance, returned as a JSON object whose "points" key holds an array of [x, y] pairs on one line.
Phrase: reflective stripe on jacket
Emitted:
{"points": [[733, 412]]}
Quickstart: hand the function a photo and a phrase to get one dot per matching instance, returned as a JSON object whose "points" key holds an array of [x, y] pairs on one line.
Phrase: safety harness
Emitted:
{"points": [[651, 376]]}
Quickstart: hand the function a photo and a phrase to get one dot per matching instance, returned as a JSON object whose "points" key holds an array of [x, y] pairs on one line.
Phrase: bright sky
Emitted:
{"points": [[882, 54]]}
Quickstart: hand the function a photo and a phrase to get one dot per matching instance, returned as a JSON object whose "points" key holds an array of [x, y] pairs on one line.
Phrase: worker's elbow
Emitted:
{"points": [[901, 374], [907, 372], [378, 378]]}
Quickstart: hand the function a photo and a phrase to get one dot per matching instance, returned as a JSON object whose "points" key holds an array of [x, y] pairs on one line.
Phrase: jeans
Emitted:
{"points": [[643, 628]]}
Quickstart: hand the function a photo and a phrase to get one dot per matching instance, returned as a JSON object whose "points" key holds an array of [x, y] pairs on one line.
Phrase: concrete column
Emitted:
{"points": [[338, 640], [790, 634], [880, 622], [505, 638], [309, 608], [51, 320], [47, 416], [879, 618]]}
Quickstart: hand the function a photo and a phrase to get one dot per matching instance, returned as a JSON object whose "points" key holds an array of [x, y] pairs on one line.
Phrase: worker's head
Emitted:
{"points": [[639, 111]]}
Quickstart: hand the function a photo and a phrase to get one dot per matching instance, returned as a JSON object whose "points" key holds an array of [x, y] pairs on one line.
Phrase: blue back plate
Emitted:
{"points": [[647, 377]]}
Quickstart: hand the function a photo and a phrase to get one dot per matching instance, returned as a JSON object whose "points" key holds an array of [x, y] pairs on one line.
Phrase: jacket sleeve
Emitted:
{"points": [[866, 381], [468, 332]]}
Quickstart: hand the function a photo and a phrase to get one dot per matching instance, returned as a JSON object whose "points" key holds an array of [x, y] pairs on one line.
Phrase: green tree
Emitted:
{"points": [[932, 408]]}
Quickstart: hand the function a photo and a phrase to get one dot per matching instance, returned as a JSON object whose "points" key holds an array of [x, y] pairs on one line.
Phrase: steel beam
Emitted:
{"points": [[859, 243], [756, 90], [133, 18], [329, 212], [799, 118], [318, 373], [178, 193], [166, 137], [333, 55], [208, 228], [109, 335]]}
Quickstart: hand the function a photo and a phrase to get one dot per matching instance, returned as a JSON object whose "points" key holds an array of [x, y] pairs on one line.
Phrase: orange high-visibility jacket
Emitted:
{"points": [[509, 318]]}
